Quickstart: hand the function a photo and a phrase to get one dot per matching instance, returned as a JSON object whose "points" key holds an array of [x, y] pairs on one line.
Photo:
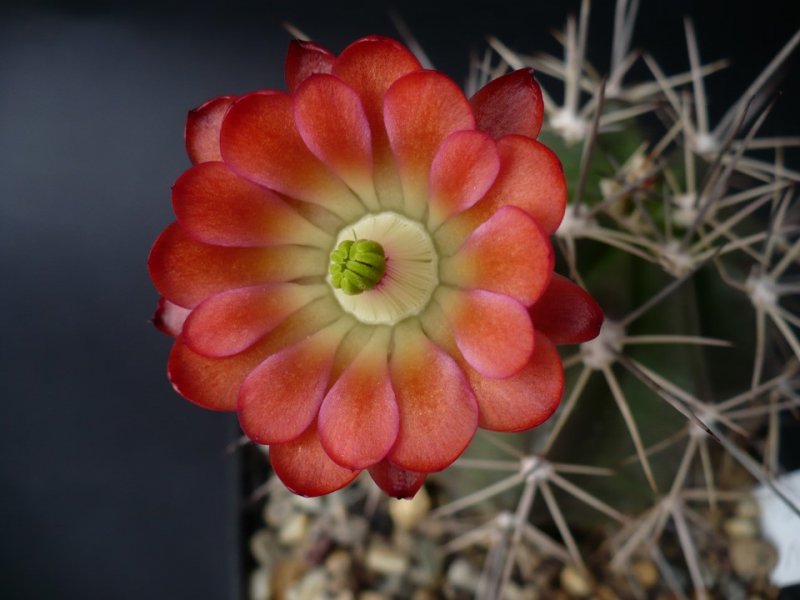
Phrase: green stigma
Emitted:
{"points": [[357, 266]]}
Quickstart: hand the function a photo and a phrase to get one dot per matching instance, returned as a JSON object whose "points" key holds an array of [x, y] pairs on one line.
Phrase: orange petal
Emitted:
{"points": [[304, 59], [214, 383], [510, 104], [305, 469], [463, 170], [169, 318], [508, 254], [332, 122], [420, 110], [370, 66], [492, 331], [358, 420], [216, 206], [438, 413], [202, 129], [396, 482], [525, 399], [259, 141], [230, 322], [281, 397], [566, 313], [187, 272]]}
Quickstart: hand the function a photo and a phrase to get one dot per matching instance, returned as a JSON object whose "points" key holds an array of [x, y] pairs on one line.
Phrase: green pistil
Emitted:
{"points": [[357, 266]]}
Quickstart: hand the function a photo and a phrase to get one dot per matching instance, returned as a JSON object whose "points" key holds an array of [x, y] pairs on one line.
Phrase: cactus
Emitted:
{"points": [[687, 237]]}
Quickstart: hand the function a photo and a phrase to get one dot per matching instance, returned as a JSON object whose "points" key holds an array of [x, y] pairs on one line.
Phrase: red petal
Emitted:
{"points": [[438, 413], [232, 321], [358, 420], [370, 66], [259, 141], [566, 313], [304, 467], [530, 178], [492, 331], [214, 382], [281, 397], [216, 206], [510, 104], [304, 59], [331, 119], [396, 482], [508, 254], [169, 317], [526, 399], [186, 272], [202, 129], [463, 170], [420, 110]]}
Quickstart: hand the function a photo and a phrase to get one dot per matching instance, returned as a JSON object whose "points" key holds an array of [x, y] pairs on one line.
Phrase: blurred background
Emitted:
{"points": [[111, 486]]}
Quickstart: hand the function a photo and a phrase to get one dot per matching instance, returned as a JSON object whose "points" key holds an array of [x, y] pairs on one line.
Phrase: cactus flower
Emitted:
{"points": [[361, 269]]}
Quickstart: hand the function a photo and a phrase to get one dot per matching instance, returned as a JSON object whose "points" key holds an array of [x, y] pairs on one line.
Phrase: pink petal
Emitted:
{"points": [[508, 254], [438, 413], [259, 141], [281, 397], [463, 170], [396, 482], [358, 420], [332, 122], [492, 331], [169, 317], [232, 321], [214, 382], [304, 59], [304, 467], [370, 66], [525, 399], [510, 104], [216, 206], [566, 313], [202, 129], [186, 271], [420, 110]]}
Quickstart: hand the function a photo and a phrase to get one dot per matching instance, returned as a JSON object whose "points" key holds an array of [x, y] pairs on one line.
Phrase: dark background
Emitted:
{"points": [[111, 486]]}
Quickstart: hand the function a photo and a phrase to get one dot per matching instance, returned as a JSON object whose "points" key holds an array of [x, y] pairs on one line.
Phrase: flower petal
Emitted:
{"points": [[259, 141], [202, 129], [186, 272], [396, 482], [530, 178], [492, 331], [332, 122], [216, 206], [463, 170], [281, 397], [510, 104], [305, 469], [232, 321], [214, 382], [358, 420], [420, 110], [508, 254], [169, 317], [566, 313], [525, 399], [438, 413], [304, 59], [370, 66]]}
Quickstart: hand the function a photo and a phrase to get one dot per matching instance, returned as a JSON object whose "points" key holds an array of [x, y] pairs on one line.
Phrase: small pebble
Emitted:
{"points": [[752, 558], [462, 575], [645, 572], [406, 514], [384, 559], [294, 529], [574, 582], [310, 587], [740, 527], [259, 585]]}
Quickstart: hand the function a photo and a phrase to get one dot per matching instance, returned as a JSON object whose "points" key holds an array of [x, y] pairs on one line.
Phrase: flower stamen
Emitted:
{"points": [[357, 266]]}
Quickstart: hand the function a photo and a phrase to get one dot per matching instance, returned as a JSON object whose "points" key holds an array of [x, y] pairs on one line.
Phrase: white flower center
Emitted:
{"points": [[411, 269]]}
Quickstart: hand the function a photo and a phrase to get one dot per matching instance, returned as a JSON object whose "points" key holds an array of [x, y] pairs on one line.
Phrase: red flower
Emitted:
{"points": [[361, 268]]}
